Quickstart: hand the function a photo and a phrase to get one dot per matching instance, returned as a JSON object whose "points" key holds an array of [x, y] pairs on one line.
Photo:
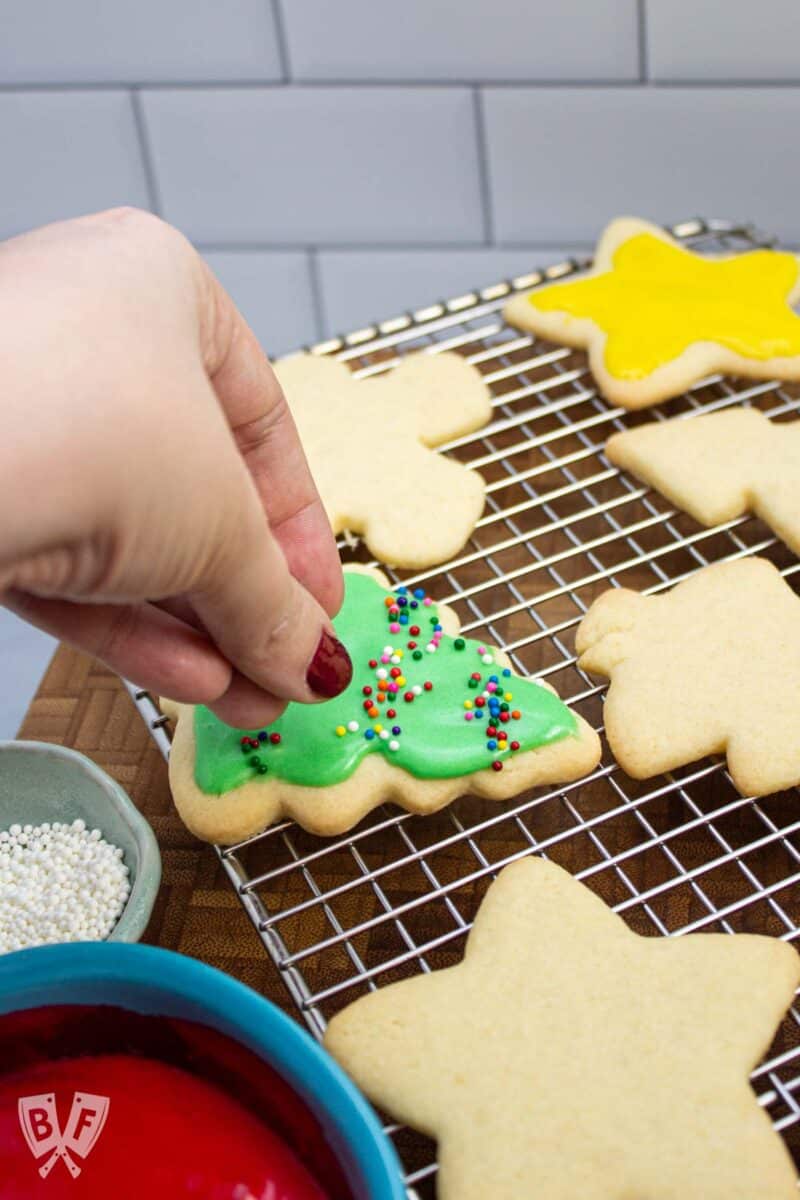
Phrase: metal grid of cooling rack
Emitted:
{"points": [[675, 854]]}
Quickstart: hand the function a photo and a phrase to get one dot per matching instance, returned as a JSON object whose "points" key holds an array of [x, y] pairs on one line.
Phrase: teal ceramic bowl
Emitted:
{"points": [[160, 983], [41, 782]]}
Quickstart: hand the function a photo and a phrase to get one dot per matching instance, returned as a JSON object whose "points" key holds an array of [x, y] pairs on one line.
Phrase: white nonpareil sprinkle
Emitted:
{"points": [[58, 883]]}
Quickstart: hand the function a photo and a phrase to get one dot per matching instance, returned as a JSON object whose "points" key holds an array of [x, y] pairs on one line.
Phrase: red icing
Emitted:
{"points": [[167, 1134], [191, 1114]]}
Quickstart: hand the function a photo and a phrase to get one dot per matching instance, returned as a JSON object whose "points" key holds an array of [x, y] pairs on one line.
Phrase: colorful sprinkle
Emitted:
{"points": [[394, 745], [352, 726], [340, 731], [459, 644], [515, 745], [369, 734], [497, 765]]}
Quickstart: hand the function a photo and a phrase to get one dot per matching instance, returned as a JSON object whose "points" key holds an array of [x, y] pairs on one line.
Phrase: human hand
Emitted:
{"points": [[157, 506]]}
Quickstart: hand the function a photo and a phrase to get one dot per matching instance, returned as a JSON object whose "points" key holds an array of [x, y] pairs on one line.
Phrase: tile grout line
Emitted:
{"points": [[282, 40], [151, 179], [483, 166], [317, 296], [766, 83], [562, 246], [644, 64]]}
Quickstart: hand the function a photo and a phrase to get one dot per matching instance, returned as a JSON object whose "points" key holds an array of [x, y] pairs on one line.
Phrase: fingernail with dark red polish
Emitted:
{"points": [[330, 670]]}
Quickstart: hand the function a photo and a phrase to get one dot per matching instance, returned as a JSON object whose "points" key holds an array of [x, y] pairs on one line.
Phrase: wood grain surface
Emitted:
{"points": [[81, 704]]}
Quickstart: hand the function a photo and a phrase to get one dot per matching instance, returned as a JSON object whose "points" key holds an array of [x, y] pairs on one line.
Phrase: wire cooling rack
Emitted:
{"points": [[675, 854]]}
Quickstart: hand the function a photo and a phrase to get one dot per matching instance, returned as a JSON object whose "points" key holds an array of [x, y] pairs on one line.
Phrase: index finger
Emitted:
{"points": [[266, 436]]}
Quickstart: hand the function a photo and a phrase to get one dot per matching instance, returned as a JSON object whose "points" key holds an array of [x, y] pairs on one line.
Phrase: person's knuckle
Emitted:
{"points": [[118, 633]]}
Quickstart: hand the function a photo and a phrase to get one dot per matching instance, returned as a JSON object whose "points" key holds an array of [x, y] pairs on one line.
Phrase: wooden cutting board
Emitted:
{"points": [[81, 704]]}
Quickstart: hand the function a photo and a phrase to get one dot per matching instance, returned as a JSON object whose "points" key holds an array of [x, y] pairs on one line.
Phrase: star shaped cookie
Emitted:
{"points": [[568, 1057], [718, 466], [368, 443], [710, 667], [656, 317]]}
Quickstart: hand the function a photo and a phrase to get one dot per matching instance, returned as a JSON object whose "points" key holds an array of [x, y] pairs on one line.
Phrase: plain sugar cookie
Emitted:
{"points": [[427, 717], [566, 1057], [719, 466], [710, 667], [369, 446], [655, 317]]}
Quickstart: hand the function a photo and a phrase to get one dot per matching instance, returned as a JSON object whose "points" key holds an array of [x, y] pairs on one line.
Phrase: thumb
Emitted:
{"points": [[266, 624]]}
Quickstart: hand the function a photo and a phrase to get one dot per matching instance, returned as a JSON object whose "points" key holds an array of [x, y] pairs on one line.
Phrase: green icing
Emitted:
{"points": [[435, 739]]}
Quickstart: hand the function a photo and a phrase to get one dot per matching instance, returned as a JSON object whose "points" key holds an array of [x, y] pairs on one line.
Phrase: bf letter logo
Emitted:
{"points": [[39, 1123]]}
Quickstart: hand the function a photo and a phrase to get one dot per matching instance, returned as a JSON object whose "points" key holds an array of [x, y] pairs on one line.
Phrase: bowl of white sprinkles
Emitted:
{"points": [[78, 861]]}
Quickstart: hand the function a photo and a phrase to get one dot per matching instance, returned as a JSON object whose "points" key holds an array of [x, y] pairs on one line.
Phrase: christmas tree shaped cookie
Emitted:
{"points": [[566, 1057], [427, 717], [711, 667], [718, 466], [368, 443], [656, 317]]}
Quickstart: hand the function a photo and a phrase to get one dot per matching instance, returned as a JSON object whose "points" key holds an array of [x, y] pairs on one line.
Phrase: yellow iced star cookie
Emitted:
{"points": [[568, 1057], [656, 317]]}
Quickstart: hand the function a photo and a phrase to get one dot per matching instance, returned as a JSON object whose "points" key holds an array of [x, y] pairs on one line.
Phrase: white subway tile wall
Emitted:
{"points": [[724, 40], [319, 164], [285, 276], [89, 41], [356, 285], [525, 40], [339, 162], [560, 168], [63, 153]]}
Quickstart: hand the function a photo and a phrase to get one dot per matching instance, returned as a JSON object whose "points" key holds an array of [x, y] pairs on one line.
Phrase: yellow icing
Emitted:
{"points": [[658, 299]]}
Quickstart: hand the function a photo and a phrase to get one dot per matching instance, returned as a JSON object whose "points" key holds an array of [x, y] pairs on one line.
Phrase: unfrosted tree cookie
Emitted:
{"points": [[368, 443], [711, 667], [718, 466], [656, 317], [568, 1057], [428, 716]]}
